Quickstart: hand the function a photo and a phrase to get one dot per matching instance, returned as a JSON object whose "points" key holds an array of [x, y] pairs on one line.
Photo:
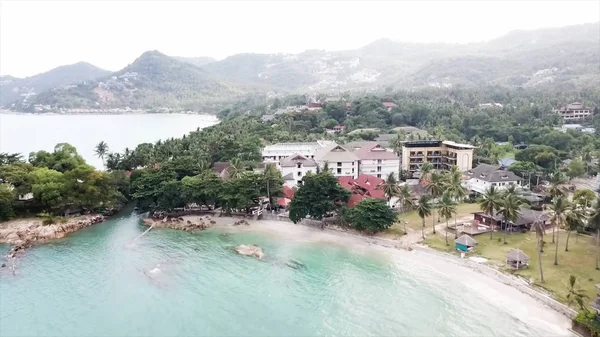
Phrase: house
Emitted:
{"points": [[376, 160], [389, 105], [341, 161], [490, 105], [485, 175], [296, 108], [465, 243], [524, 221], [442, 154], [267, 118], [312, 106], [573, 111], [25, 196], [221, 169], [363, 187], [336, 129], [298, 166], [276, 152]]}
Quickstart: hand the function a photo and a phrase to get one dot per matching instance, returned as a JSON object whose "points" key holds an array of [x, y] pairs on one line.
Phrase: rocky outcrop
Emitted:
{"points": [[250, 250], [36, 231], [180, 223]]}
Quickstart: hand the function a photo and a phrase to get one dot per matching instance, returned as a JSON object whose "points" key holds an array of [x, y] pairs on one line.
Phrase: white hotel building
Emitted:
{"points": [[274, 153]]}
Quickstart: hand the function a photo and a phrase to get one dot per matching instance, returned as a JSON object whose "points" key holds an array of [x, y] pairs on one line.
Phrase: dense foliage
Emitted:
{"points": [[320, 195], [371, 215]]}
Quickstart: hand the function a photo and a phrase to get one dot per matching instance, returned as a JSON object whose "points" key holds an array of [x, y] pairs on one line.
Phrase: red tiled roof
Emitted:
{"points": [[368, 180], [372, 150], [288, 192], [339, 127], [364, 186], [355, 199], [389, 104]]}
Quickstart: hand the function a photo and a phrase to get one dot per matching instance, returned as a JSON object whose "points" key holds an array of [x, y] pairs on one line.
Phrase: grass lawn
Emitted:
{"points": [[578, 261], [415, 222]]}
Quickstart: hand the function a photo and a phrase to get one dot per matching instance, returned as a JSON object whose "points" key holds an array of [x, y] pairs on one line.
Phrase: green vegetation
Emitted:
{"points": [[371, 216], [319, 195]]}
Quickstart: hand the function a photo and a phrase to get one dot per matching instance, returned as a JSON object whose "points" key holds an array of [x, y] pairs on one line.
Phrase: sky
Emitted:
{"points": [[36, 36]]}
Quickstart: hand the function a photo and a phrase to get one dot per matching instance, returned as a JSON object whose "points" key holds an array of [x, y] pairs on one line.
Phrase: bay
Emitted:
{"points": [[24, 133]]}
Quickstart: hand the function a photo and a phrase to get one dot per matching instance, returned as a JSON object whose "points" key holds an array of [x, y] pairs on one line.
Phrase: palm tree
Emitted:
{"points": [[426, 170], [236, 168], [511, 189], [101, 150], [456, 190], [594, 223], [557, 182], [405, 200], [490, 203], [423, 208], [435, 187], [559, 207], [389, 187], [509, 210], [573, 221], [575, 294], [447, 208], [540, 230]]}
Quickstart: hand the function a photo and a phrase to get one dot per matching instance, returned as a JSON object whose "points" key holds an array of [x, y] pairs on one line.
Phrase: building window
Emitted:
{"points": [[339, 164], [378, 161], [379, 176], [299, 174], [352, 163], [352, 171], [299, 182], [378, 168], [299, 165], [339, 171]]}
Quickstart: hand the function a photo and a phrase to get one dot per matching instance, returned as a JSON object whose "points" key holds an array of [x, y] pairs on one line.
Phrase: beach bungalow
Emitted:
{"points": [[516, 258], [465, 243]]}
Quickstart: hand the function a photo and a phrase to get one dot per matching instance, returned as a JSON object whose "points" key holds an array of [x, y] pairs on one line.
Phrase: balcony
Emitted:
{"points": [[433, 154], [416, 154]]}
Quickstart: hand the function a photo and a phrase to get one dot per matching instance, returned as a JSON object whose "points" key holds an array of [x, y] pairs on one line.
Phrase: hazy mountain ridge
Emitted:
{"points": [[12, 88], [563, 58]]}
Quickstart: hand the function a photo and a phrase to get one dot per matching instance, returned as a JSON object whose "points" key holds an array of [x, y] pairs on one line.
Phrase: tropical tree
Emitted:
{"points": [[490, 203], [372, 215], [405, 200], [389, 187], [509, 210], [574, 220], [557, 182], [319, 195], [540, 230], [236, 168], [423, 209], [447, 208], [435, 187], [594, 223], [101, 150], [575, 294], [559, 207], [426, 171], [455, 189], [273, 181], [584, 197]]}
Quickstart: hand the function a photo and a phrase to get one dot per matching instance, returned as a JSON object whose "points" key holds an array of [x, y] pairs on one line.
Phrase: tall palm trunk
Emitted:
{"points": [[568, 236], [505, 230], [553, 228], [556, 250], [447, 244], [491, 228], [433, 223], [455, 228], [540, 259], [423, 230]]}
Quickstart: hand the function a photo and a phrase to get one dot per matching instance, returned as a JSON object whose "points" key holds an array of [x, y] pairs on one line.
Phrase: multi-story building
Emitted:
{"points": [[342, 162], [485, 175], [573, 111], [294, 168], [376, 160], [442, 154], [279, 151]]}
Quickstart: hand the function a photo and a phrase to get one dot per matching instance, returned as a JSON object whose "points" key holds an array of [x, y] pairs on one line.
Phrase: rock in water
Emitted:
{"points": [[250, 250]]}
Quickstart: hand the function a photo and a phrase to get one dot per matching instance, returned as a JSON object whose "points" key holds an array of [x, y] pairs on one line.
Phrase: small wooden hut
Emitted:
{"points": [[464, 243], [516, 258]]}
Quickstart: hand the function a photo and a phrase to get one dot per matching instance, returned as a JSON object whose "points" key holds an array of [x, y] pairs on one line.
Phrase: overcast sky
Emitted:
{"points": [[38, 36]]}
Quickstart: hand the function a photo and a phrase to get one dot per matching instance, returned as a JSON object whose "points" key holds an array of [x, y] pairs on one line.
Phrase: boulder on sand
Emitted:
{"points": [[250, 250]]}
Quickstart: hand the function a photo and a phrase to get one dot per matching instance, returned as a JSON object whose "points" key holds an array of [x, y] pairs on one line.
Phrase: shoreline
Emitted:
{"points": [[513, 292]]}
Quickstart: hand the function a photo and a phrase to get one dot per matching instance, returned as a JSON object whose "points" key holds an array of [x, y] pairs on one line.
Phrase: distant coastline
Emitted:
{"points": [[103, 112]]}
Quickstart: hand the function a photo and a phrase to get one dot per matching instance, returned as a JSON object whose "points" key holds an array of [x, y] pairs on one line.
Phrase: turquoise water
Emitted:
{"points": [[94, 283]]}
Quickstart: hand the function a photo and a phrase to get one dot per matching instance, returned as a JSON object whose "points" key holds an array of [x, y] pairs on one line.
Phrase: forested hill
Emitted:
{"points": [[152, 81], [13, 89], [554, 59]]}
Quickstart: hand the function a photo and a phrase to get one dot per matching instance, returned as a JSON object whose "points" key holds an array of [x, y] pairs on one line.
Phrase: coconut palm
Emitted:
{"points": [[405, 200], [509, 210], [490, 202], [101, 150], [447, 208], [575, 294], [423, 208], [573, 221], [559, 207], [594, 223], [511, 189], [557, 182], [426, 171], [389, 187], [236, 168], [435, 187], [539, 229], [455, 189]]}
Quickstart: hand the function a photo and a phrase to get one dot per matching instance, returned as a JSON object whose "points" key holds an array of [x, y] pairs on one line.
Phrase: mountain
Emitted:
{"points": [[12, 88], [197, 61], [565, 57], [152, 81]]}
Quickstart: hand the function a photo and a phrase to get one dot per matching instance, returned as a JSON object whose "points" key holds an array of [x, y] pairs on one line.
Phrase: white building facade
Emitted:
{"points": [[342, 162], [276, 152], [295, 168], [377, 161], [484, 176]]}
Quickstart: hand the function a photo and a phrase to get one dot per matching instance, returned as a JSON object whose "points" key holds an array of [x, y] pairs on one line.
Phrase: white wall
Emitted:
{"points": [[386, 166], [298, 173], [346, 169], [480, 186]]}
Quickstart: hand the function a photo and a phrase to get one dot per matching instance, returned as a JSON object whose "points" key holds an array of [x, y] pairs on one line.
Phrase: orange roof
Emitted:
{"points": [[288, 192]]}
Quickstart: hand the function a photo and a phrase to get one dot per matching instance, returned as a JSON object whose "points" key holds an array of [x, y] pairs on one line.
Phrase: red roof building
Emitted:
{"points": [[363, 187]]}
